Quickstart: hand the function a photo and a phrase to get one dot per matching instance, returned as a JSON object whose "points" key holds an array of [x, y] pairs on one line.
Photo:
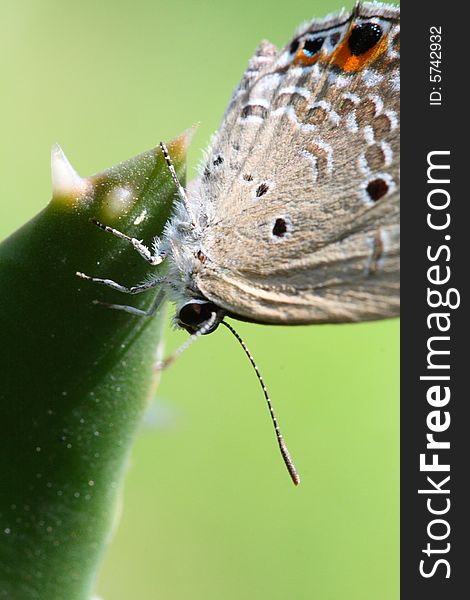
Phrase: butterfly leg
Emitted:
{"points": [[157, 302], [154, 258], [135, 289]]}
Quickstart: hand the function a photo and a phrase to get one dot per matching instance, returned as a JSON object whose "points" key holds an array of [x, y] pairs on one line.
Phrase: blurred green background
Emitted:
{"points": [[208, 509]]}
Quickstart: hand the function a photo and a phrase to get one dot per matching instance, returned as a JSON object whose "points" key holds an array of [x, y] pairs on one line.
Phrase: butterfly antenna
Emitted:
{"points": [[181, 191], [282, 445], [163, 364]]}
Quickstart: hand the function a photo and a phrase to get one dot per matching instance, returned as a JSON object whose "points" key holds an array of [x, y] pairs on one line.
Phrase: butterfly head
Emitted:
{"points": [[198, 315]]}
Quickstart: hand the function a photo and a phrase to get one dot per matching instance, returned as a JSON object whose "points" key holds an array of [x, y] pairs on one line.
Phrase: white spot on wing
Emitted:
{"points": [[329, 154], [312, 70], [264, 102], [351, 123], [395, 81], [392, 115], [292, 89], [377, 100], [289, 112], [388, 153], [369, 134], [267, 82], [363, 164], [313, 161], [355, 99], [338, 80], [391, 52], [333, 116], [371, 78], [250, 119]]}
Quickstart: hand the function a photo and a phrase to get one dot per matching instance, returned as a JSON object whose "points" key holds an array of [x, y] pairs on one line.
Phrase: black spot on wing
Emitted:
{"points": [[254, 110], [294, 46], [377, 188], [261, 190], [364, 36], [280, 228], [311, 47]]}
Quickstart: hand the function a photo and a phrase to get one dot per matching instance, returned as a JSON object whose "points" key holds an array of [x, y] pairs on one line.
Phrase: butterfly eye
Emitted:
{"points": [[195, 313]]}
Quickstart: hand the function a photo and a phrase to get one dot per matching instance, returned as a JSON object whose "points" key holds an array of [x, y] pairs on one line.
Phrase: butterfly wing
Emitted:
{"points": [[301, 183]]}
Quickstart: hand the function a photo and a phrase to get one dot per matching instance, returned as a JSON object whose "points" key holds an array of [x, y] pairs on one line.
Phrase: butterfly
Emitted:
{"points": [[294, 218]]}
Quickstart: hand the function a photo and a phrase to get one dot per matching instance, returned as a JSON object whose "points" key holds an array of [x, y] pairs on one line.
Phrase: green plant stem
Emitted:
{"points": [[76, 377]]}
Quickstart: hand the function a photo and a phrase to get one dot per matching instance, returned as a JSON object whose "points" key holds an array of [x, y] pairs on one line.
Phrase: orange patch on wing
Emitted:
{"points": [[345, 60], [303, 59]]}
